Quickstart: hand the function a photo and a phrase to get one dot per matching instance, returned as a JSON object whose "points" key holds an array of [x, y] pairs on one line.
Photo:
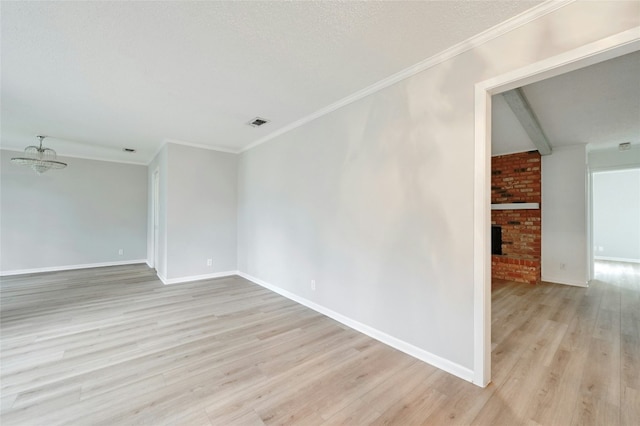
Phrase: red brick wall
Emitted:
{"points": [[517, 178]]}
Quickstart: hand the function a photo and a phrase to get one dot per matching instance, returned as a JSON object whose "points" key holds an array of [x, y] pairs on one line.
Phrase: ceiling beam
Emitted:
{"points": [[527, 118]]}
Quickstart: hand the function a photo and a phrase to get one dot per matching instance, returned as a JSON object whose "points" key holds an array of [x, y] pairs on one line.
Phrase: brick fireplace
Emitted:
{"points": [[515, 183]]}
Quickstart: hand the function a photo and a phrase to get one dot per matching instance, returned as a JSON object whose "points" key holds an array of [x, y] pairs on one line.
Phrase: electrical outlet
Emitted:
{"points": [[313, 285], [120, 252], [209, 262]]}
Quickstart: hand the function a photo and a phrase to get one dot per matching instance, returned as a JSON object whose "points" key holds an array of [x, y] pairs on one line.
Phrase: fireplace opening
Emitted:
{"points": [[496, 239]]}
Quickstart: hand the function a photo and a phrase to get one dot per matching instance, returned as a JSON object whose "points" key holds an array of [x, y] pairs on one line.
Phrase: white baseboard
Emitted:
{"points": [[617, 259], [167, 281], [70, 267], [565, 282], [421, 354]]}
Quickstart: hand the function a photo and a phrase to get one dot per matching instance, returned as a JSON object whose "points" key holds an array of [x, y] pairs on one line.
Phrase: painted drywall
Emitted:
{"points": [[354, 205], [612, 158], [564, 213], [616, 215], [375, 201], [81, 215], [201, 213], [159, 164]]}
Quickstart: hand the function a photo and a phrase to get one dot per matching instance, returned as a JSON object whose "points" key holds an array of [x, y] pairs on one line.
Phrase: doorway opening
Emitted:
{"points": [[615, 222], [600, 51]]}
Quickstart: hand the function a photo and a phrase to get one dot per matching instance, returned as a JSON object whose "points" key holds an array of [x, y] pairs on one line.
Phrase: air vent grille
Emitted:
{"points": [[258, 121]]}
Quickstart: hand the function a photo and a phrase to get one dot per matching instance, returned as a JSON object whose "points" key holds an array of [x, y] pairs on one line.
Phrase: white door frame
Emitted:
{"points": [[590, 255], [599, 51], [155, 194]]}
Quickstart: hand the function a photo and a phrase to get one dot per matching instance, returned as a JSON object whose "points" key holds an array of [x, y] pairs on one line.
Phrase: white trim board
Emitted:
{"points": [[564, 282], [168, 281], [409, 349], [515, 206], [589, 54], [616, 259], [70, 267], [191, 144], [201, 146], [610, 169], [61, 154]]}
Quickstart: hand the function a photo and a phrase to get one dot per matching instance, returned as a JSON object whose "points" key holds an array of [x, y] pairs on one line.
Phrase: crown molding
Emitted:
{"points": [[108, 160], [82, 157], [201, 146], [457, 49], [193, 145]]}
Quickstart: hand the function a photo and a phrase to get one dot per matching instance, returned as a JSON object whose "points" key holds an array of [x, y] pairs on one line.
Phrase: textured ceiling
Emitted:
{"points": [[99, 76], [599, 105]]}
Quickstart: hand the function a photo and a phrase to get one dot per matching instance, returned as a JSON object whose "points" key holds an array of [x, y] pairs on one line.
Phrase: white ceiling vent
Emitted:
{"points": [[258, 121]]}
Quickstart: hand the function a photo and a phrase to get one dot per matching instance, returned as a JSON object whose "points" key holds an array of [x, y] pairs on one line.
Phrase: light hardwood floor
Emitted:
{"points": [[114, 346]]}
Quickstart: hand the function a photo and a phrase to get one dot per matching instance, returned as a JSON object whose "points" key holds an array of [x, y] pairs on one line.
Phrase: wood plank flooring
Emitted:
{"points": [[112, 346]]}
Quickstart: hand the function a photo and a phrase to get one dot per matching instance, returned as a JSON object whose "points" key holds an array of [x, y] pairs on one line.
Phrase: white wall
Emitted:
{"points": [[81, 215], [358, 207], [612, 158], [375, 201], [160, 163], [202, 212], [198, 212], [616, 215], [564, 216]]}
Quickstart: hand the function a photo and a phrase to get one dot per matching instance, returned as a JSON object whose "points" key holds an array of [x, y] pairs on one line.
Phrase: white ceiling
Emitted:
{"points": [[99, 76], [598, 105]]}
